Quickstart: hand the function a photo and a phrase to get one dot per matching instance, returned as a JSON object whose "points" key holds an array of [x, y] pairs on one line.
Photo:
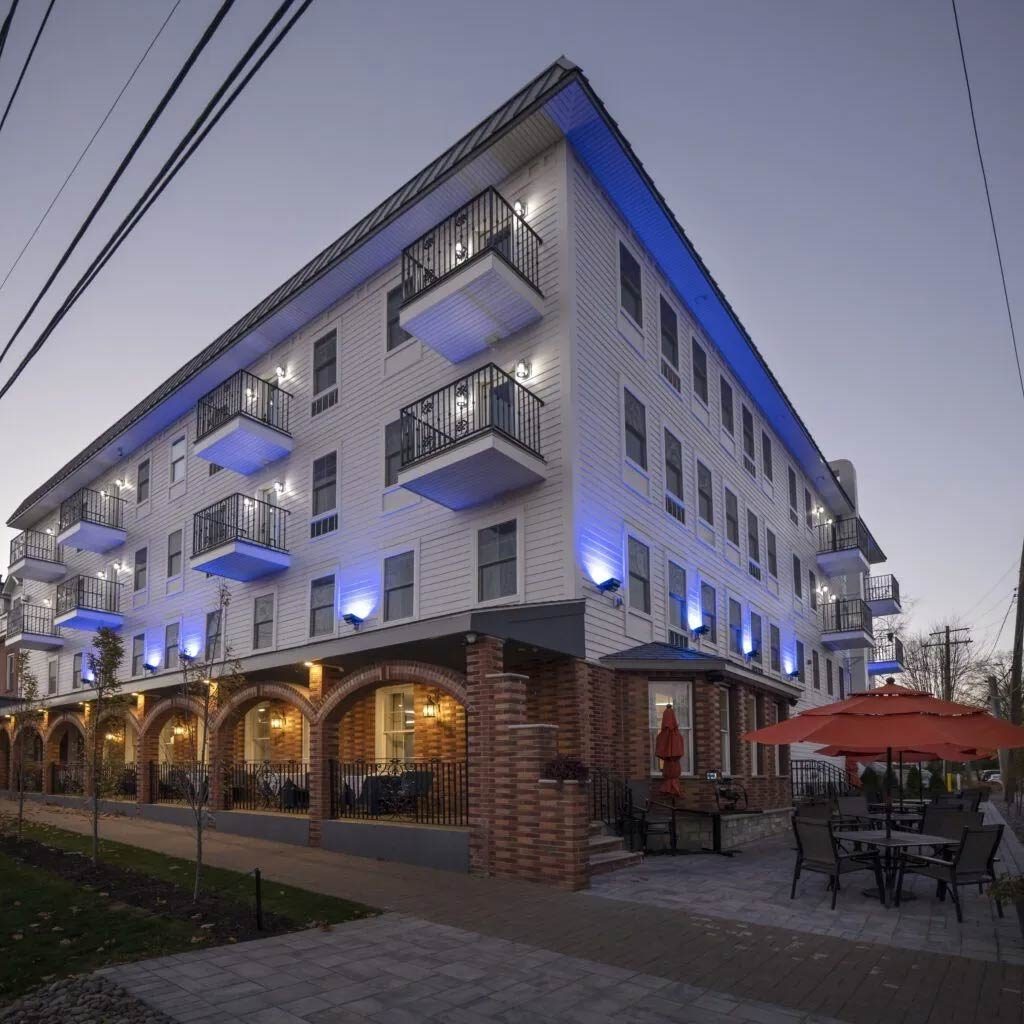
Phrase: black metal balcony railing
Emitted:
{"points": [[485, 224], [36, 619], [846, 615], [179, 782], [90, 593], [887, 650], [3, 626], [67, 777], [427, 792], [89, 506], [243, 394], [239, 517], [486, 399], [268, 786], [36, 544], [849, 534], [882, 588]]}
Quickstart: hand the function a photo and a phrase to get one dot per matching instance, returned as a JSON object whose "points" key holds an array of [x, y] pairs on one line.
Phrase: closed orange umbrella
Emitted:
{"points": [[668, 746]]}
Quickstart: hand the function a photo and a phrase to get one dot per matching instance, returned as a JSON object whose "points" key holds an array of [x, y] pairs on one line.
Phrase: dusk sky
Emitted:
{"points": [[819, 155]]}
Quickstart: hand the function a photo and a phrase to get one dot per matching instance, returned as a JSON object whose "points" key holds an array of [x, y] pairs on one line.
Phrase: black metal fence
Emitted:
{"points": [[120, 781], [90, 592], [845, 614], [882, 588], [239, 517], [424, 792], [485, 224], [36, 544], [179, 782], [32, 774], [243, 394], [813, 779], [31, 618], [268, 786], [848, 534], [887, 651], [68, 777], [486, 399], [89, 506]]}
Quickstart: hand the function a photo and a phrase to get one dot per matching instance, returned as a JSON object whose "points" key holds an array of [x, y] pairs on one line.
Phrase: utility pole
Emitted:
{"points": [[947, 643], [996, 707], [1011, 780]]}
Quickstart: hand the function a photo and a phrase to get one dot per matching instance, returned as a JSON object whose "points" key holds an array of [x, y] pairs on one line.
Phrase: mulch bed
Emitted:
{"points": [[223, 917]]}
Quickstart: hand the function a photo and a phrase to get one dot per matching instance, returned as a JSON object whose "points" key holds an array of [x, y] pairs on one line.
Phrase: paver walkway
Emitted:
{"points": [[830, 976]]}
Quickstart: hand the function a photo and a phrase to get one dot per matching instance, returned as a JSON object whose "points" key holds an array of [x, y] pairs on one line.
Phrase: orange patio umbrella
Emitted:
{"points": [[668, 746], [936, 752]]}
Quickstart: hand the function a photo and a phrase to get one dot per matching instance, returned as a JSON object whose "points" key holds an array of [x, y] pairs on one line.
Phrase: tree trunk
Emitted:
{"points": [[199, 854], [95, 783], [21, 786]]}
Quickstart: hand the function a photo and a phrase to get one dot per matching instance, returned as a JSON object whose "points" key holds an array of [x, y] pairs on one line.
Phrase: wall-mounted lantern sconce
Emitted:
{"points": [[471, 637], [276, 721], [279, 487], [178, 730], [523, 369], [520, 209], [460, 252], [352, 619], [432, 707], [282, 373]]}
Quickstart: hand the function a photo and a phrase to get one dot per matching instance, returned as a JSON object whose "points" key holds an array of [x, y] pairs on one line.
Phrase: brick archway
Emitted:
{"points": [[241, 701], [65, 718]]}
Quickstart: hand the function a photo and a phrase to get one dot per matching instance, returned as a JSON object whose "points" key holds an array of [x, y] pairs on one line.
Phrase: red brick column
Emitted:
{"points": [[323, 746]]}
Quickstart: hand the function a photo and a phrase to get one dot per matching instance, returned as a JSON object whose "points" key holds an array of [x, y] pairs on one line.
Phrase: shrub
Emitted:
{"points": [[936, 784], [872, 784], [914, 782], [1009, 888]]}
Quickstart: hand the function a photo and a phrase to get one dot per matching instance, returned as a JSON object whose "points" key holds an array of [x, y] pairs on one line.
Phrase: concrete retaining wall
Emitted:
{"points": [[422, 845]]}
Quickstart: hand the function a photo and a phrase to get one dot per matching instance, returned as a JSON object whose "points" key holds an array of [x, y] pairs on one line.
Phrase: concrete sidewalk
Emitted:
{"points": [[831, 977]]}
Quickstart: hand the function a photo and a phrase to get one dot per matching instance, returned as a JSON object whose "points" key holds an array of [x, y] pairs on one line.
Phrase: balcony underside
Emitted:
{"points": [[96, 537], [37, 569], [35, 641], [241, 560], [887, 668], [847, 639], [89, 618], [483, 301], [842, 563], [474, 472], [244, 445], [883, 605]]}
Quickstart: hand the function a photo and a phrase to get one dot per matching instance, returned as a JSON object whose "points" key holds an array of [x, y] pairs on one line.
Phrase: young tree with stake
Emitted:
{"points": [[28, 712]]}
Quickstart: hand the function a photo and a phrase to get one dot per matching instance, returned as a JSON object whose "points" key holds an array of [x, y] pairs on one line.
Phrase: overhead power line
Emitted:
{"points": [[995, 643], [88, 145], [195, 135], [207, 35], [6, 26], [988, 199], [28, 60], [991, 590]]}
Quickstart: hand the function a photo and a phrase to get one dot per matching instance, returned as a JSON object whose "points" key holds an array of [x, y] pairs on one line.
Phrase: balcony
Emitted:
{"points": [[32, 628], [37, 556], [88, 602], [92, 521], [882, 594], [846, 624], [242, 424], [472, 279], [240, 538], [472, 441], [846, 547], [886, 656]]}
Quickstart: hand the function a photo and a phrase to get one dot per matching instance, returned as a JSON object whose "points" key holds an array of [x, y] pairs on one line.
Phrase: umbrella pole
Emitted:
{"points": [[888, 794], [902, 808]]}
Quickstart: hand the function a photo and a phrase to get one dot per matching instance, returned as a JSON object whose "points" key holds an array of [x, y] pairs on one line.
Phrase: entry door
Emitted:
{"points": [[266, 525]]}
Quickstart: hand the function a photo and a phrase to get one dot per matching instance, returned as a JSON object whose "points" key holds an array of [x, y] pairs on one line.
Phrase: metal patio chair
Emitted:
{"points": [[818, 850]]}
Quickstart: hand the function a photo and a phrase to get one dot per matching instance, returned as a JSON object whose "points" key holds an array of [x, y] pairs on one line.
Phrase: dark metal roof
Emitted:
{"points": [[656, 652]]}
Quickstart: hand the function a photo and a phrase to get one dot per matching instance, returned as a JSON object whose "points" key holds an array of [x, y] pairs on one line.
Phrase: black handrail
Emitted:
{"points": [[89, 592], [846, 614], [243, 394], [426, 792], [811, 779], [239, 517], [31, 618], [89, 506], [36, 544], [888, 650], [611, 800], [485, 224], [848, 534], [882, 588], [488, 399]]}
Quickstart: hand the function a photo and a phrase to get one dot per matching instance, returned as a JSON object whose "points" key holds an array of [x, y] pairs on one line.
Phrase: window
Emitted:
{"points": [[700, 370], [705, 500], [174, 554], [636, 429], [263, 622], [756, 637], [725, 732], [257, 723], [754, 721], [766, 457], [808, 509], [142, 482], [775, 648], [801, 672], [321, 606], [12, 671], [76, 672], [325, 483], [51, 677], [680, 697], [778, 751], [753, 537], [397, 717], [842, 683], [732, 518], [735, 626], [816, 670], [497, 564], [812, 589], [669, 335], [178, 460], [171, 659], [748, 440], [793, 513], [677, 618], [639, 576], [392, 452], [798, 583], [630, 285], [140, 572], [213, 635], [727, 411], [397, 335], [709, 611], [399, 586], [673, 465], [325, 363], [138, 654], [772, 551], [829, 685]]}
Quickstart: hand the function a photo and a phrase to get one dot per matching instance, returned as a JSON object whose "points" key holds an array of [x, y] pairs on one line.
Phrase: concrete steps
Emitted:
{"points": [[607, 852]]}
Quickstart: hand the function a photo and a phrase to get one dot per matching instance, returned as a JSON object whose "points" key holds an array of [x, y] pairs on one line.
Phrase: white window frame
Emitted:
{"points": [[627, 458], [698, 462], [167, 556], [730, 598], [760, 644], [778, 627], [163, 646], [767, 561], [52, 670], [380, 742], [474, 544], [752, 705], [635, 328], [136, 589], [172, 461], [704, 402], [725, 732], [655, 711], [313, 577], [403, 549], [673, 366], [684, 626], [641, 539], [318, 337], [702, 579], [723, 383], [272, 594], [726, 491], [142, 663]]}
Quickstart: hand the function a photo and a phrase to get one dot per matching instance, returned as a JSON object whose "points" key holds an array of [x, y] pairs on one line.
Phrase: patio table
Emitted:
{"points": [[905, 817], [889, 845]]}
